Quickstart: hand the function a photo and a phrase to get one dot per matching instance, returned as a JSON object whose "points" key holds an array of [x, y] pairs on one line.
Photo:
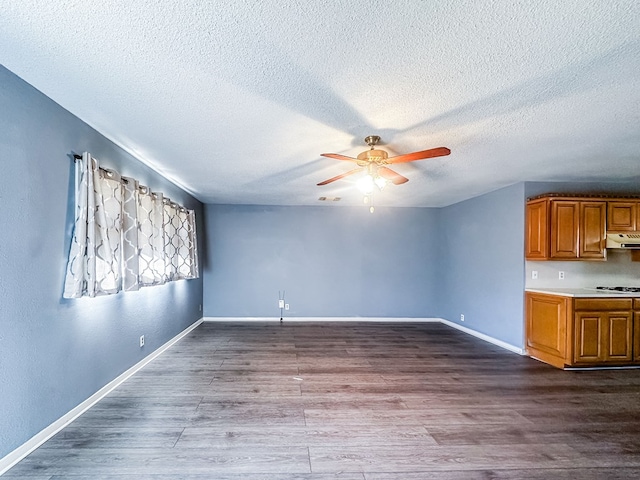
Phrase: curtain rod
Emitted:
{"points": [[166, 199], [106, 170]]}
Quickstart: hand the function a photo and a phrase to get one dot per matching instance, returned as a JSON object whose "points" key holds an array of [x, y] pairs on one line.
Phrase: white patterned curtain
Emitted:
{"points": [[126, 236], [130, 236]]}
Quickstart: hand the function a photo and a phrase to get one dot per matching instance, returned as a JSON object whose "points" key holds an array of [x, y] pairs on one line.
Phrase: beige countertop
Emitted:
{"points": [[583, 292]]}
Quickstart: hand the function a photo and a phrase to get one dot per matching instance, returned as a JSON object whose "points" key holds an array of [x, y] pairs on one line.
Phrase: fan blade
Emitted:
{"points": [[338, 177], [393, 177], [410, 157], [337, 156]]}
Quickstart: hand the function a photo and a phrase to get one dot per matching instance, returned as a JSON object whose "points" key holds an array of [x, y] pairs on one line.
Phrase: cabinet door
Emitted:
{"points": [[619, 337], [547, 327], [588, 335], [592, 233], [537, 230], [564, 229], [621, 216], [636, 336], [603, 337]]}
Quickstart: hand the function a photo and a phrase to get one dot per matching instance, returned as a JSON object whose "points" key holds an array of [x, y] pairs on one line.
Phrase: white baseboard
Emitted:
{"points": [[482, 336], [34, 442], [321, 319], [486, 338]]}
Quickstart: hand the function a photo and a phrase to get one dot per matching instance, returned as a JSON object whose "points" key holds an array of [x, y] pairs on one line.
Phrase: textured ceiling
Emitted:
{"points": [[235, 100]]}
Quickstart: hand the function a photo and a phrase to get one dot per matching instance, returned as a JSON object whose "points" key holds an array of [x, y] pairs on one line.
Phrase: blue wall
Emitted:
{"points": [[55, 353], [482, 273], [331, 261], [399, 262]]}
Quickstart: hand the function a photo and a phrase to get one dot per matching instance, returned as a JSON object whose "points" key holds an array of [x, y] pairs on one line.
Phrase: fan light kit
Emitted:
{"points": [[377, 174]]}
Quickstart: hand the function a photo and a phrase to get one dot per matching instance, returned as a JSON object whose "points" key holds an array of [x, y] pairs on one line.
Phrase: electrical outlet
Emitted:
{"points": [[141, 340], [280, 303], [534, 275], [200, 307], [561, 275], [462, 317], [286, 306]]}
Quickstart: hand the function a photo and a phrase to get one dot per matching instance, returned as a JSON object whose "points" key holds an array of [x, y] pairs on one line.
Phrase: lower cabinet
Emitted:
{"points": [[567, 331], [636, 330], [603, 330], [547, 327]]}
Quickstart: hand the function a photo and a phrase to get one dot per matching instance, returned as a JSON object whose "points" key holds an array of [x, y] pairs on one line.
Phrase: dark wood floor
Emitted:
{"points": [[350, 401]]}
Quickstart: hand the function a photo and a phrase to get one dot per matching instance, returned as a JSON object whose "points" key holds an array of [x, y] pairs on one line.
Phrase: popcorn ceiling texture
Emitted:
{"points": [[235, 100]]}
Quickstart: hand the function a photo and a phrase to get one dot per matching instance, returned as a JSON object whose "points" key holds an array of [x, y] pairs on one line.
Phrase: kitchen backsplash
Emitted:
{"points": [[617, 270]]}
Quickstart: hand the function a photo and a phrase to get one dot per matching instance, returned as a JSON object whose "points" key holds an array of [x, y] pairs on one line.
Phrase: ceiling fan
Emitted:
{"points": [[375, 162]]}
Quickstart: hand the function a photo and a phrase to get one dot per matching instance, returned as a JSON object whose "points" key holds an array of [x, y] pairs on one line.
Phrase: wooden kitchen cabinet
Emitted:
{"points": [[636, 337], [537, 230], [566, 331], [546, 327], [622, 216], [592, 235], [565, 229], [636, 330], [603, 331]]}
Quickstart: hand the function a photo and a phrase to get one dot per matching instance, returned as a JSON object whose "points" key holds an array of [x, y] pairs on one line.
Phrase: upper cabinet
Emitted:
{"points": [[622, 216], [591, 228], [565, 229], [537, 229]]}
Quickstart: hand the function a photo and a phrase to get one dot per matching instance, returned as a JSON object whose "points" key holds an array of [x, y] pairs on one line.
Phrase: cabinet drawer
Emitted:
{"points": [[636, 303], [619, 304]]}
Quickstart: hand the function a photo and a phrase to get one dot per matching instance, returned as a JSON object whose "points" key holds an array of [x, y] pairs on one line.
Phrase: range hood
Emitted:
{"points": [[623, 240]]}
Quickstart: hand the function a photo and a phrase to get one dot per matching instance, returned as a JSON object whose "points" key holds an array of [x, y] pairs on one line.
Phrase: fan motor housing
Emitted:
{"points": [[373, 155]]}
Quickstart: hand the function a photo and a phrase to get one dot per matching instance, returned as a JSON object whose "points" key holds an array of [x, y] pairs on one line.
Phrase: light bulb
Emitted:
{"points": [[365, 184], [371, 209], [366, 199], [380, 182]]}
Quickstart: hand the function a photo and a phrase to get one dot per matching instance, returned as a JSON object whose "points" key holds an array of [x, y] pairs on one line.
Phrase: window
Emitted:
{"points": [[126, 236]]}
